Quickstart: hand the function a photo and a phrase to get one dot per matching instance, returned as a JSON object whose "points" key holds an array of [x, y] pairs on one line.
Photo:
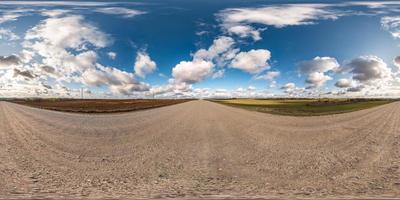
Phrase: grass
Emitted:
{"points": [[304, 107]]}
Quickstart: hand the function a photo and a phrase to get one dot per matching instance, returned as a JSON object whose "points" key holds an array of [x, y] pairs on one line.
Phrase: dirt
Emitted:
{"points": [[98, 105], [198, 149]]}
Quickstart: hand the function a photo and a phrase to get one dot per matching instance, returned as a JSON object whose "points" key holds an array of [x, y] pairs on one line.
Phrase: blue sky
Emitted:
{"points": [[229, 48]]}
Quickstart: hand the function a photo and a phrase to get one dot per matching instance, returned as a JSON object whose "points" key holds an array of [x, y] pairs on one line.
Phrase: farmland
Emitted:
{"points": [[97, 105], [304, 107]]}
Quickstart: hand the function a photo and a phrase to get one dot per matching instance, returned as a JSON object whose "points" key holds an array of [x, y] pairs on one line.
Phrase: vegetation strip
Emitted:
{"points": [[97, 105], [304, 107]]}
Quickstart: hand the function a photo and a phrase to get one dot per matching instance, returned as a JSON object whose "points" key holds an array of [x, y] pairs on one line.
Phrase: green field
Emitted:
{"points": [[304, 107]]}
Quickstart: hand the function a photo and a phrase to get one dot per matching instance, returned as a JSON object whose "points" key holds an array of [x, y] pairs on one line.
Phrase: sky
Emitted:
{"points": [[199, 49]]}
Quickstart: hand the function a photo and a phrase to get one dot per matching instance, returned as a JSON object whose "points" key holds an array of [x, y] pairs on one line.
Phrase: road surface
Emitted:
{"points": [[198, 149]]}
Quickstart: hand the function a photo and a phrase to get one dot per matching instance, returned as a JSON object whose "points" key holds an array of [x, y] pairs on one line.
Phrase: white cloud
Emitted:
{"points": [[220, 51], [392, 24], [372, 4], [218, 74], [318, 64], [204, 61], [118, 81], [54, 13], [68, 32], [192, 71], [238, 20], [317, 79], [144, 65], [316, 68], [253, 61], [270, 76], [6, 34], [124, 12], [112, 55], [244, 31], [292, 90], [343, 83], [65, 48], [9, 17]]}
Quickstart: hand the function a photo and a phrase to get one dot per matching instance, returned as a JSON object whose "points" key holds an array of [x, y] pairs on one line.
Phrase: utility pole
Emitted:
{"points": [[81, 93]]}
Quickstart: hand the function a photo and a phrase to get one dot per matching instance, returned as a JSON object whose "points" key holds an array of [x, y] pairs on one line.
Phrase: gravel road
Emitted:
{"points": [[198, 149]]}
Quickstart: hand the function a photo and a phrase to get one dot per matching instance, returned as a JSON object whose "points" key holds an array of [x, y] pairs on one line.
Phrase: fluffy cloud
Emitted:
{"points": [[68, 32], [124, 12], [6, 34], [9, 61], [63, 43], [192, 71], [318, 64], [270, 76], [118, 81], [9, 17], [392, 24], [343, 83], [144, 65], [253, 61], [204, 62], [292, 90], [317, 79], [65, 47], [316, 68], [244, 31], [366, 69], [220, 51], [237, 20]]}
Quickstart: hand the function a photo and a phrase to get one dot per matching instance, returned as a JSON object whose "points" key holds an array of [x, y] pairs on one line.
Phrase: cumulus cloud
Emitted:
{"points": [[368, 68], [343, 83], [317, 79], [192, 71], [144, 65], [63, 43], [204, 61], [65, 47], [316, 68], [9, 61], [292, 90], [220, 51], [124, 12], [253, 61], [118, 81], [392, 24], [238, 20], [318, 64], [67, 32]]}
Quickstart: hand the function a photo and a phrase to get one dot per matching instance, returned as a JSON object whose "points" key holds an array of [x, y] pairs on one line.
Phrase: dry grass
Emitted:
{"points": [[305, 107]]}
